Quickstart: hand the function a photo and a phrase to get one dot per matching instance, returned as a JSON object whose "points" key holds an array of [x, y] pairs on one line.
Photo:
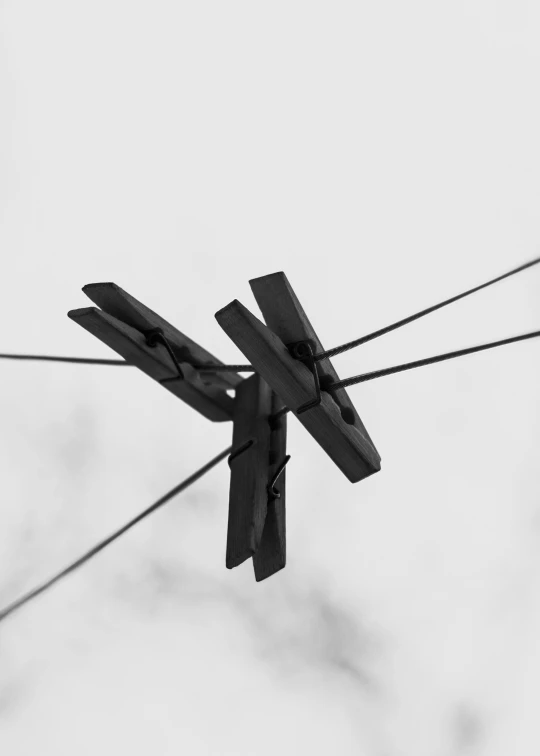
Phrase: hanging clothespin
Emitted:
{"points": [[149, 342], [282, 352], [256, 526]]}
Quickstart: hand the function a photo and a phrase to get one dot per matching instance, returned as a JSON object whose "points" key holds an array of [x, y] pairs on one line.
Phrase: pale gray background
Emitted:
{"points": [[385, 155]]}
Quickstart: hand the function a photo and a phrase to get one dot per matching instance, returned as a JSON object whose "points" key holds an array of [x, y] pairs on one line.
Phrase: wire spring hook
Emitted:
{"points": [[273, 493], [240, 450], [155, 335], [303, 351]]}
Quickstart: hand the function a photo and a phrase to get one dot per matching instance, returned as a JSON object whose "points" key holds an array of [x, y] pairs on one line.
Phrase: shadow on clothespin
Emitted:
{"points": [[256, 526], [282, 352], [149, 342]]}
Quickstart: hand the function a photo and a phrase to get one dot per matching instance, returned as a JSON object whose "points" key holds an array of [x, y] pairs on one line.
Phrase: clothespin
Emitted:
{"points": [[256, 526], [149, 342], [282, 353]]}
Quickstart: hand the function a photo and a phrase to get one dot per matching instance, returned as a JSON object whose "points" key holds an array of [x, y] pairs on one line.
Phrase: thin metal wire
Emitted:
{"points": [[357, 342], [156, 334], [90, 361], [320, 356], [224, 368], [80, 360], [428, 361], [25, 598]]}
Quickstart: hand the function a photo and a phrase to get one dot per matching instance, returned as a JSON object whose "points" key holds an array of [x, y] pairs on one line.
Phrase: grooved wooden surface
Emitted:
{"points": [[249, 470], [270, 557], [256, 525]]}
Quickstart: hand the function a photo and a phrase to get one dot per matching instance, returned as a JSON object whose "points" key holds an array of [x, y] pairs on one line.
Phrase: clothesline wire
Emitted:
{"points": [[41, 588], [317, 357], [399, 323], [47, 358], [393, 326], [47, 584], [427, 361]]}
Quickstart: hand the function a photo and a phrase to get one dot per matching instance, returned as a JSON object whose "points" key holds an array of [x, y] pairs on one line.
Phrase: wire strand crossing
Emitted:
{"points": [[427, 361], [25, 598], [322, 355], [382, 331]]}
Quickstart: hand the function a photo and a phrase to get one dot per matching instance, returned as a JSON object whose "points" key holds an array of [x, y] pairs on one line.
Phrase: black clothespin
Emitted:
{"points": [[256, 526], [283, 353], [146, 340]]}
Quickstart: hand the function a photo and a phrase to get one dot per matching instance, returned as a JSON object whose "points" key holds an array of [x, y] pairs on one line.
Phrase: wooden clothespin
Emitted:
{"points": [[149, 342], [256, 526], [282, 353]]}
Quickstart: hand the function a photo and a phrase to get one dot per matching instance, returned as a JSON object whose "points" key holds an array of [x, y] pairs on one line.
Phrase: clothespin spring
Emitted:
{"points": [[272, 492], [303, 351], [240, 450], [153, 335]]}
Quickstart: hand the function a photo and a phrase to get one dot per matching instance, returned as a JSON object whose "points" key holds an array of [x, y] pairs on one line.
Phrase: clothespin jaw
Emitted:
{"points": [[131, 329], [256, 526], [281, 352]]}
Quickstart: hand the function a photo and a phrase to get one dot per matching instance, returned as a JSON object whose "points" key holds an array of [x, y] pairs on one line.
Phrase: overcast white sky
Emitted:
{"points": [[385, 156]]}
